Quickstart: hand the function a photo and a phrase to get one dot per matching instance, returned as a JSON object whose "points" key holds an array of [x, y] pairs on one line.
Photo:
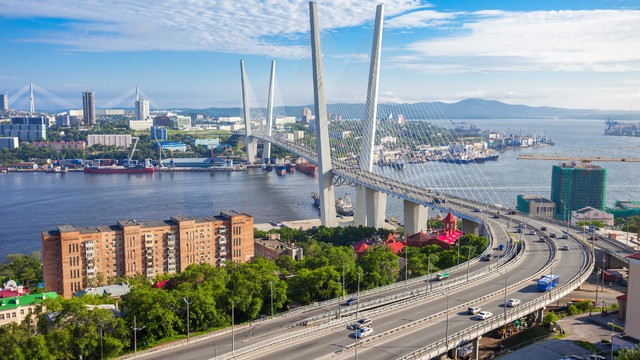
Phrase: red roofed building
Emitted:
{"points": [[445, 237], [395, 245], [11, 289], [361, 246]]}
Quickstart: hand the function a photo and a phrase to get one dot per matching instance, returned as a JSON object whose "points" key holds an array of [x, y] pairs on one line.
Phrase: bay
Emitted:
{"points": [[31, 203]]}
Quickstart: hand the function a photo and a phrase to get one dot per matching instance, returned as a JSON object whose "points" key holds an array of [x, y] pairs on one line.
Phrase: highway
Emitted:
{"points": [[567, 264], [260, 331], [426, 311]]}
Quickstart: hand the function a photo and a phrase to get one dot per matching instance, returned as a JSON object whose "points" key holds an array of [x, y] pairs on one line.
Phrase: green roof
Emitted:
{"points": [[25, 300]]}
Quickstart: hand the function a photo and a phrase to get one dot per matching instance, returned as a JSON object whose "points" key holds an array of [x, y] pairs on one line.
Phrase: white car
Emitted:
{"points": [[364, 332], [472, 310], [565, 247], [513, 302], [483, 315], [359, 324]]}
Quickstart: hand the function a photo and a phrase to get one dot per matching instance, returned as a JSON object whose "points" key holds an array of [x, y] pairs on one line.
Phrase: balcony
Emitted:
{"points": [[222, 240], [171, 268], [222, 230]]}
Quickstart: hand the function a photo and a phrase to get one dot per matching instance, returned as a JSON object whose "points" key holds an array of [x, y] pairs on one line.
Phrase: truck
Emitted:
{"points": [[441, 276]]}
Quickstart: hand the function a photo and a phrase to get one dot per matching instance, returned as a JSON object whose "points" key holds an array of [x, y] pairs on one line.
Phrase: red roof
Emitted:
{"points": [[634, 256], [396, 246], [160, 284], [622, 297], [449, 218], [421, 236], [11, 293], [361, 247], [449, 237]]}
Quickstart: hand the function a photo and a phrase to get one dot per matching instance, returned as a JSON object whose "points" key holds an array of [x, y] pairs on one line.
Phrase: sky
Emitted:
{"points": [[582, 54]]}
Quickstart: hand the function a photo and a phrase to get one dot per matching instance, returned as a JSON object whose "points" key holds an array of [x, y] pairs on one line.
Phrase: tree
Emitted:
{"points": [[315, 285], [286, 264], [25, 269], [380, 265], [155, 309], [629, 354]]}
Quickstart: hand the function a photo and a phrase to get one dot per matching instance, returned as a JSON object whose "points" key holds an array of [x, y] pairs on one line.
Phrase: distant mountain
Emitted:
{"points": [[465, 109]]}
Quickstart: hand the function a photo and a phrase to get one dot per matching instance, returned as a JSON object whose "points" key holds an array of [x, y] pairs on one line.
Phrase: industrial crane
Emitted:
{"points": [[575, 158]]}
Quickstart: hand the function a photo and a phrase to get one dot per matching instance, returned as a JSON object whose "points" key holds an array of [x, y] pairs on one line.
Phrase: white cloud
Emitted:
{"points": [[569, 41], [268, 27], [352, 57], [420, 19]]}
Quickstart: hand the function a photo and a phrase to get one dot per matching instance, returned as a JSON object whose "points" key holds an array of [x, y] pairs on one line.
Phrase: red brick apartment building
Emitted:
{"points": [[73, 257]]}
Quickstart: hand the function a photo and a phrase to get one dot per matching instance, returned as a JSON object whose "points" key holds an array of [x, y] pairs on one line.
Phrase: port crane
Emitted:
{"points": [[586, 159]]}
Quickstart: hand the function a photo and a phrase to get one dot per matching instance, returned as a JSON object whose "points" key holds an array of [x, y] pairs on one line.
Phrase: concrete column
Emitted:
{"points": [[266, 152], [248, 141], [540, 315], [470, 227], [476, 348], [360, 213], [325, 175], [371, 106], [415, 217], [376, 208]]}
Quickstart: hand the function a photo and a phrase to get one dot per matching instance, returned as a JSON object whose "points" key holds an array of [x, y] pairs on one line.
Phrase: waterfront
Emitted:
{"points": [[34, 202]]}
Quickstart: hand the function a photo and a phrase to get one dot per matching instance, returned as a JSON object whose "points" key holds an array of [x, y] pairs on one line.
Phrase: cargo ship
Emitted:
{"points": [[307, 168], [343, 205], [281, 170], [145, 168]]}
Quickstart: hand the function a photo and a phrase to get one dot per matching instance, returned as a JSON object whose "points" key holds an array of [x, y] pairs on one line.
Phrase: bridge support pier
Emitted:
{"points": [[376, 204], [360, 213], [415, 217], [470, 227], [476, 348], [371, 206], [540, 315]]}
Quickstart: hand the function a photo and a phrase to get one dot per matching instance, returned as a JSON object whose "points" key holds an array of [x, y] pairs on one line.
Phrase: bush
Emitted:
{"points": [[549, 318], [573, 310], [584, 306]]}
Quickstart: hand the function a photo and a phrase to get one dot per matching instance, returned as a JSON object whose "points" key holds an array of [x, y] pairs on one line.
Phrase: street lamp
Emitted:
{"points": [[271, 283], [505, 293], [233, 335], [468, 260], [135, 329], [458, 252], [612, 334], [446, 331], [101, 334], [186, 301], [360, 273]]}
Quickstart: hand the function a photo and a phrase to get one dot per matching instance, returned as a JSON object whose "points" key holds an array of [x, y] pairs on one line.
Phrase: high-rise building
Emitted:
{"points": [[159, 133], [89, 107], [142, 109], [575, 186], [4, 101], [75, 258]]}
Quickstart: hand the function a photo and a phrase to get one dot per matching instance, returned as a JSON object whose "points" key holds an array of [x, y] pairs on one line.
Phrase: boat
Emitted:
{"points": [[130, 168], [343, 205], [145, 168], [307, 168], [281, 170], [56, 170], [290, 168]]}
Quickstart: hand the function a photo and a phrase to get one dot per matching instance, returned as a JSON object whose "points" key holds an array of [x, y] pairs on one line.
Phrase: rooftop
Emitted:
{"points": [[25, 300]]}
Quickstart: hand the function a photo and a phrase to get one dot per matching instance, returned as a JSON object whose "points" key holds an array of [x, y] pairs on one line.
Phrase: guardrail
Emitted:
{"points": [[473, 332], [338, 322]]}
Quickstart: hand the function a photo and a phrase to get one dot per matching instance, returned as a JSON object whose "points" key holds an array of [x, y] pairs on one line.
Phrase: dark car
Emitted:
{"points": [[623, 282], [352, 301], [552, 235], [543, 228], [487, 257]]}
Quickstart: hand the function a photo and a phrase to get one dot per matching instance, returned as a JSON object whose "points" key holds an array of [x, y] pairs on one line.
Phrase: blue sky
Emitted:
{"points": [[574, 54]]}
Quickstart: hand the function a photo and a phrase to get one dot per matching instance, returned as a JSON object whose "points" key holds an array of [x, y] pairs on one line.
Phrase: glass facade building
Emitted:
{"points": [[575, 186]]}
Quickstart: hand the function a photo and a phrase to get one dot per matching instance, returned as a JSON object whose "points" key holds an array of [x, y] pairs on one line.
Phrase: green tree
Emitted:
{"points": [[629, 354], [315, 285], [286, 264], [380, 266], [155, 309], [25, 269]]}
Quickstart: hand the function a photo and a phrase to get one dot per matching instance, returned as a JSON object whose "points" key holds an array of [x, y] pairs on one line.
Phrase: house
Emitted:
{"points": [[444, 237], [16, 309]]}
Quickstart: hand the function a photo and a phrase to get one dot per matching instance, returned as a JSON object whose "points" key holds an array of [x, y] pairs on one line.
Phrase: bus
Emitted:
{"points": [[548, 282]]}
